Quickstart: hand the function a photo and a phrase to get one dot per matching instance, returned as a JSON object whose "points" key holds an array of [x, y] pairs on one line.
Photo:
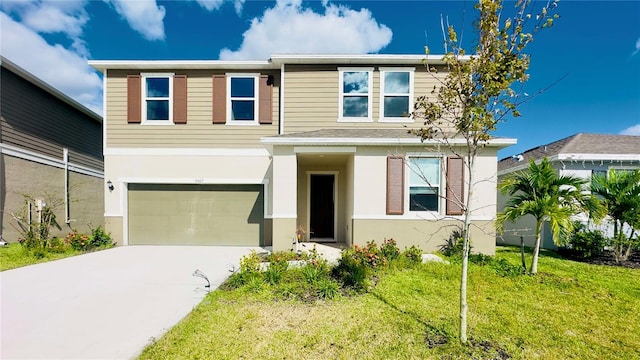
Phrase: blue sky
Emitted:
{"points": [[591, 55]]}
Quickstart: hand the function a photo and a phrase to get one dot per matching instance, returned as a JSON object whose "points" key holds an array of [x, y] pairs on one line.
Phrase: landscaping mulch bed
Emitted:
{"points": [[608, 259]]}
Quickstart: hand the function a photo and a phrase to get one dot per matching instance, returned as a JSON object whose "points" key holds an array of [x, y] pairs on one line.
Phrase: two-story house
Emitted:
{"points": [[581, 155], [50, 150], [248, 152]]}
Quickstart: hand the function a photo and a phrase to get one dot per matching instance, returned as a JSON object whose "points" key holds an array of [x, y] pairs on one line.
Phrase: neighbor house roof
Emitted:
{"points": [[9, 65], [365, 137], [580, 146]]}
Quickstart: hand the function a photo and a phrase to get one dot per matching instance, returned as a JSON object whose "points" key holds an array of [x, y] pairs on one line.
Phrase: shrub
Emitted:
{"points": [[352, 271], [57, 245], [389, 249], [328, 289], [585, 244], [277, 268], [501, 267], [454, 244], [100, 238], [314, 272], [250, 263], [78, 241], [413, 255]]}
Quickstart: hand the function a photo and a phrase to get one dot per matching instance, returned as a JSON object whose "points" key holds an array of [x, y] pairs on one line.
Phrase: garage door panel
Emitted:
{"points": [[196, 214]]}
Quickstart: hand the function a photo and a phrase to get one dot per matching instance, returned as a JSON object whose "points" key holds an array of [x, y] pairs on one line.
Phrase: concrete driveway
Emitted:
{"points": [[108, 304]]}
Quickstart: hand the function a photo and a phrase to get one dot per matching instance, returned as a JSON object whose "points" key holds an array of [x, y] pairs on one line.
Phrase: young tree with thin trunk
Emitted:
{"points": [[478, 92]]}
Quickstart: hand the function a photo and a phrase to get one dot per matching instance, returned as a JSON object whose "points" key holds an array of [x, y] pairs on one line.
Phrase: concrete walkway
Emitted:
{"points": [[108, 304]]}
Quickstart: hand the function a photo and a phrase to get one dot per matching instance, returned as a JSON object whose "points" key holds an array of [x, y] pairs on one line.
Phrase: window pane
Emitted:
{"points": [[355, 82], [396, 82], [355, 106], [242, 87], [423, 199], [424, 170], [157, 87], [157, 109], [242, 109], [396, 106]]}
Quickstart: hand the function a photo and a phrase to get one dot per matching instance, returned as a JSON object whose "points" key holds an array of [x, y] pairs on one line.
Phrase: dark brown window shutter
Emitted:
{"points": [[455, 185], [265, 105], [395, 185], [180, 99], [134, 101], [219, 99]]}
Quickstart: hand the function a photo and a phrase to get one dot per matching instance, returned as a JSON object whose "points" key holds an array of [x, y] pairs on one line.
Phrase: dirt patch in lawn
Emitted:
{"points": [[608, 259]]}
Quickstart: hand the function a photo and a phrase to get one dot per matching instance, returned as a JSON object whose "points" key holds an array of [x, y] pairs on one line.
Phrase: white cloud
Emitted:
{"points": [[211, 5], [632, 130], [290, 28], [61, 68], [66, 17], [143, 16], [637, 47]]}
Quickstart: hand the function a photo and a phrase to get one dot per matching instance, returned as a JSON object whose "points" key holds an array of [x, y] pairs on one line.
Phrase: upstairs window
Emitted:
{"points": [[356, 86], [396, 95], [157, 102], [424, 184], [242, 106]]}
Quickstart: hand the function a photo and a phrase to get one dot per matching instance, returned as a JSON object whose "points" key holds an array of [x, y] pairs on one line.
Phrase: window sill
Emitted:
{"points": [[395, 120], [157, 123], [242, 123], [355, 120]]}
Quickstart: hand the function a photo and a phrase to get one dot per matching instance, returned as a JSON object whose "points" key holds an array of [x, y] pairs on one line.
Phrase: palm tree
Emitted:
{"points": [[541, 192], [619, 192]]}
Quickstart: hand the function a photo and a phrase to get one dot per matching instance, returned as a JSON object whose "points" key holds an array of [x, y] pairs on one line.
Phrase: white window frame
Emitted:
{"points": [[144, 98], [341, 95], [385, 70], [255, 98], [441, 180]]}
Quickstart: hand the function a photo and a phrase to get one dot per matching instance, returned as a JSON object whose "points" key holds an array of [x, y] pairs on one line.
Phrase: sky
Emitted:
{"points": [[585, 70]]}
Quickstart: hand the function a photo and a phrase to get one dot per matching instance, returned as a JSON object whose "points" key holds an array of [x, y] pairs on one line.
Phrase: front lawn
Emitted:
{"points": [[569, 310], [15, 255]]}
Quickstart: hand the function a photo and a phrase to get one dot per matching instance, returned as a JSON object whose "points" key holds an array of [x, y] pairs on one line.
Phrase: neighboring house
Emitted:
{"points": [[249, 152], [580, 155], [51, 150]]}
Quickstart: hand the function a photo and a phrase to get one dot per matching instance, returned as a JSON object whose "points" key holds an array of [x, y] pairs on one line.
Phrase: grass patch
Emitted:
{"points": [[570, 310], [15, 255]]}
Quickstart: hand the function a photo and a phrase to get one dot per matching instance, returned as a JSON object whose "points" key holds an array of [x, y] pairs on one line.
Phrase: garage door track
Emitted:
{"points": [[108, 304]]}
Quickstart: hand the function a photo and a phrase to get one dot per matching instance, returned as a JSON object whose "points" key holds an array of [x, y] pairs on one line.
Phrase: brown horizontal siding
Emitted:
{"points": [[312, 98], [37, 121], [197, 132]]}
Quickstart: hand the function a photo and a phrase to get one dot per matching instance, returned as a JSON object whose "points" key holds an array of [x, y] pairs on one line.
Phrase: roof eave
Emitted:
{"points": [[494, 143], [102, 65]]}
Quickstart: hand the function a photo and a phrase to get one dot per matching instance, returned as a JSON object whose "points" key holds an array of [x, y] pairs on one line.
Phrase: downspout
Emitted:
{"points": [[281, 122], [65, 158]]}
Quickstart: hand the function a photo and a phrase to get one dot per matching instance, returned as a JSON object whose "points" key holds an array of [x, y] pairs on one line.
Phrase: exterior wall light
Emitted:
{"points": [[110, 185]]}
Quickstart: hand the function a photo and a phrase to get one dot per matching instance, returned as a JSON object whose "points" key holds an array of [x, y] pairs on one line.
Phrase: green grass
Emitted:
{"points": [[569, 310], [14, 255]]}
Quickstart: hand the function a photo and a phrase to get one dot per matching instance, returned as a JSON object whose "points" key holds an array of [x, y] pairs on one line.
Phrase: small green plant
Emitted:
{"points": [[413, 255], [454, 245], [389, 249], [352, 271], [78, 241], [277, 267], [328, 289], [250, 263], [100, 238]]}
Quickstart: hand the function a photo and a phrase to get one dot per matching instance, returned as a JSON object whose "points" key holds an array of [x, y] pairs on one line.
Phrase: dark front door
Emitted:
{"points": [[321, 206]]}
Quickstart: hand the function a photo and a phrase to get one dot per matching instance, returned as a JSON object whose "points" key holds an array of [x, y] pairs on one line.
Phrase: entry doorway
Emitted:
{"points": [[322, 203]]}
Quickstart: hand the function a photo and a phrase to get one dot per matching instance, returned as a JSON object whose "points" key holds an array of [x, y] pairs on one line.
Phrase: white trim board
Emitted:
{"points": [[48, 160], [185, 152]]}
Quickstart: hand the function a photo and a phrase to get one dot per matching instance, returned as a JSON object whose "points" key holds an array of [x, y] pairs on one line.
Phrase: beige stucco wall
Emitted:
{"points": [[284, 231], [199, 132], [113, 225], [427, 235], [177, 169], [47, 182]]}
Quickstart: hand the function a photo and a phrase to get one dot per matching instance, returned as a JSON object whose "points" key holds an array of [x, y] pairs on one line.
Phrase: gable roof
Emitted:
{"points": [[581, 146], [24, 74]]}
